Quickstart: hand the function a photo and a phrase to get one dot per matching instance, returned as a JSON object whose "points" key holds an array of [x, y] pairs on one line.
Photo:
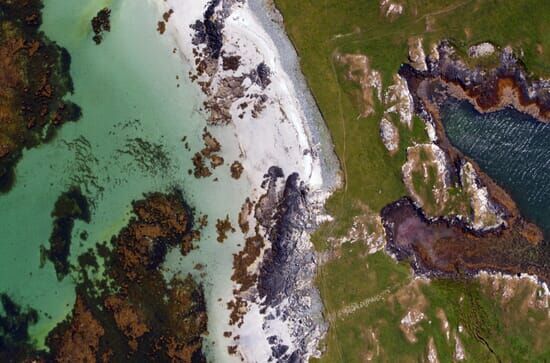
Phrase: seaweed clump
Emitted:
{"points": [[101, 23], [34, 80]]}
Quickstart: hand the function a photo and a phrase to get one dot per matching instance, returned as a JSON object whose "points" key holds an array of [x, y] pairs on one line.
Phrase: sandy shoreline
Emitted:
{"points": [[286, 131]]}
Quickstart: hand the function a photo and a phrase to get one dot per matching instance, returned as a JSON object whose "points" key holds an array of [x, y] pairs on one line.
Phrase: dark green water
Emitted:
{"points": [[512, 148]]}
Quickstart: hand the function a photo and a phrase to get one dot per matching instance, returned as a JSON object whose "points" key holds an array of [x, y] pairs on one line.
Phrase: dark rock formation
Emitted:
{"points": [[285, 281], [260, 75], [101, 23], [278, 271], [14, 325], [208, 31]]}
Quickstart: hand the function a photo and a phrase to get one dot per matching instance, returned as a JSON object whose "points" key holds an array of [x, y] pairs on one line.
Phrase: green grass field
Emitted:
{"points": [[322, 28]]}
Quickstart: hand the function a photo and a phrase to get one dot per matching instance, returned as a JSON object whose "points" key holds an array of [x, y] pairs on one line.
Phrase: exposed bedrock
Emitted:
{"points": [[287, 271], [490, 89], [277, 274]]}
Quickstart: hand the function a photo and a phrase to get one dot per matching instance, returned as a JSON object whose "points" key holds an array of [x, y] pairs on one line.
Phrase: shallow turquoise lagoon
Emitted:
{"points": [[132, 108]]}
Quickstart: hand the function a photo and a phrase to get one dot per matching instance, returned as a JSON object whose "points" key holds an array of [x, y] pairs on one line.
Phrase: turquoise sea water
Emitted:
{"points": [[512, 148], [131, 102]]}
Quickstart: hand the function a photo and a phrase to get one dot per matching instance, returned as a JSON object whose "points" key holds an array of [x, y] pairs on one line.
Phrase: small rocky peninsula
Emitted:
{"points": [[447, 244]]}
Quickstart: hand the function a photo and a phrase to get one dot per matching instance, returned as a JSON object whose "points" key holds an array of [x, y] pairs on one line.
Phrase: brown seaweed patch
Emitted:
{"points": [[161, 25], [224, 226], [208, 152], [138, 315], [77, 340], [236, 169], [244, 259]]}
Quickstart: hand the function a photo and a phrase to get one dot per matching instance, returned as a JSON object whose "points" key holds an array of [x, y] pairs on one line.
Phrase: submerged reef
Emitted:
{"points": [[34, 80], [447, 244], [70, 206], [131, 312], [14, 325]]}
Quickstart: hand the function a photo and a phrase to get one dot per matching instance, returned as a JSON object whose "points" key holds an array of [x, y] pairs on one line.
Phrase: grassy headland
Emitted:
{"points": [[363, 294]]}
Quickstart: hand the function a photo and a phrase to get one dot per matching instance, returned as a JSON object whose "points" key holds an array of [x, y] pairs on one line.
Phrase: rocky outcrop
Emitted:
{"points": [[275, 271], [507, 84], [218, 71], [287, 270], [389, 135], [426, 177], [417, 57], [398, 101], [485, 213], [391, 9], [481, 50]]}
